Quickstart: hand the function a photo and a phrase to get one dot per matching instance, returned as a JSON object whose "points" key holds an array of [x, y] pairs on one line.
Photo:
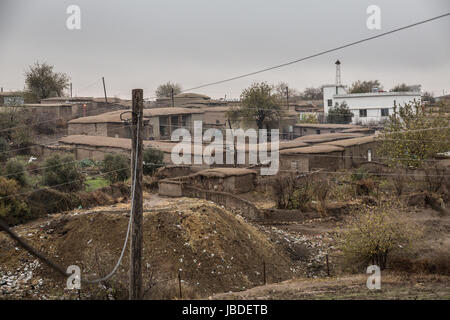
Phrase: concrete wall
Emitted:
{"points": [[331, 161], [90, 129], [305, 131]]}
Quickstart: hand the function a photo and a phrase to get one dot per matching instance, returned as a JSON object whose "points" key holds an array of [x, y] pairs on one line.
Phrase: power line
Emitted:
{"points": [[317, 54]]}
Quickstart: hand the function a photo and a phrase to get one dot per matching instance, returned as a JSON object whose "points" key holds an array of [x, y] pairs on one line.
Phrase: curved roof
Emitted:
{"points": [[313, 149], [318, 138], [192, 95], [293, 144], [351, 142], [114, 116], [225, 172]]}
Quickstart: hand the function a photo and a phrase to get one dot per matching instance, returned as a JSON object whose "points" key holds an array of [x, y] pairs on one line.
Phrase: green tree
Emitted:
{"points": [[13, 210], [340, 114], [42, 81], [428, 97], [62, 173], [403, 87], [4, 149], [16, 170], [258, 104], [308, 118], [165, 90], [372, 234], [153, 159], [412, 135], [364, 86], [116, 167]]}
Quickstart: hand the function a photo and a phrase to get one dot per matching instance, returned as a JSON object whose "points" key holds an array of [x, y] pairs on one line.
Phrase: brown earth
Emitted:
{"points": [[393, 286], [215, 250]]}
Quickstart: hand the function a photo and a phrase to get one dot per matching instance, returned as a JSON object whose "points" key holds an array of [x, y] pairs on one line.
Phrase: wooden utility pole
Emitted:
{"points": [[287, 98], [104, 90], [171, 95], [137, 222], [71, 89]]}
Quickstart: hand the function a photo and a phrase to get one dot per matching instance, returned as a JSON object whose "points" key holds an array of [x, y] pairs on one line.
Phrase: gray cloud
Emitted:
{"points": [[144, 43]]}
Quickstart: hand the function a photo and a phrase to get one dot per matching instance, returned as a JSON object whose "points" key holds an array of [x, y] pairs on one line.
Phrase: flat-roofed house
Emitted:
{"points": [[305, 129], [159, 123]]}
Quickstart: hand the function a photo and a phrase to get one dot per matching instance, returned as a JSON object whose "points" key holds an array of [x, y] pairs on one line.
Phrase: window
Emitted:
{"points": [[332, 131], [317, 131], [363, 113], [293, 165], [330, 102], [385, 112]]}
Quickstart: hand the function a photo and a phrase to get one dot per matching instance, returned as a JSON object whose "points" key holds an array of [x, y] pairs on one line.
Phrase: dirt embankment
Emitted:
{"points": [[215, 250]]}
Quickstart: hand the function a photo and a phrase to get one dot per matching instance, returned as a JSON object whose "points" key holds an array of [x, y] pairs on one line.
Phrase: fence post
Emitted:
{"points": [[328, 266], [264, 272], [179, 284]]}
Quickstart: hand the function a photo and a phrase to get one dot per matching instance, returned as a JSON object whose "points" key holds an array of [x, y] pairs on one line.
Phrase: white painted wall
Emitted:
{"points": [[373, 102]]}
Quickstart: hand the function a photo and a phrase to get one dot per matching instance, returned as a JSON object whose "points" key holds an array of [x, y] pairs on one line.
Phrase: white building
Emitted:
{"points": [[366, 107]]}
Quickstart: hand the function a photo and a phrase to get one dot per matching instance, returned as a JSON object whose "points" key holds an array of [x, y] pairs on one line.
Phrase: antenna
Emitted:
{"points": [[338, 73]]}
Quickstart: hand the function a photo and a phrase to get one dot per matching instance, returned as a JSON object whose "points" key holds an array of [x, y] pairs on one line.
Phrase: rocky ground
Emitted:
{"points": [[215, 251], [393, 286]]}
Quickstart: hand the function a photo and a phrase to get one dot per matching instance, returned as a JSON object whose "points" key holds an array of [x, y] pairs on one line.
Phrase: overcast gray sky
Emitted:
{"points": [[140, 44]]}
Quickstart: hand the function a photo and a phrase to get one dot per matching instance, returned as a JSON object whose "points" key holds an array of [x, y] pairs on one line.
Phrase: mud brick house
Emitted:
{"points": [[306, 129], [164, 121], [96, 147], [159, 123], [188, 100], [335, 152], [356, 150], [89, 106], [230, 180], [215, 117], [306, 159]]}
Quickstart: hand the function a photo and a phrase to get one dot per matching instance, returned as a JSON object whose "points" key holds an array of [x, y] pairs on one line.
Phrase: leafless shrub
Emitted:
{"points": [[434, 178], [283, 189], [399, 181]]}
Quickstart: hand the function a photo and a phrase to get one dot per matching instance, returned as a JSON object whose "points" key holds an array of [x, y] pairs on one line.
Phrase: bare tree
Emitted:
{"points": [[165, 90], [44, 82]]}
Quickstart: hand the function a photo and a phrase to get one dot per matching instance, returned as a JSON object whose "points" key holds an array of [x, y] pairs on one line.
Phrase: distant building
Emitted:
{"points": [[369, 107], [188, 100], [11, 99], [305, 129]]}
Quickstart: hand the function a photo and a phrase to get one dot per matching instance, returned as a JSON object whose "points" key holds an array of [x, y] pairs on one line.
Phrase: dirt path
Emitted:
{"points": [[393, 286]]}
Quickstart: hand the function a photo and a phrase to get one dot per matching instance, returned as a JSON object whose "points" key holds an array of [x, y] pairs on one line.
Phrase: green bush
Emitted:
{"points": [[12, 210], [116, 168], [359, 174], [374, 233], [62, 173], [4, 148], [16, 170], [153, 159]]}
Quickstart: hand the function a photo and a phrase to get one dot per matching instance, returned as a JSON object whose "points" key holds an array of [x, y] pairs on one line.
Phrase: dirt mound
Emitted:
{"points": [[215, 250]]}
